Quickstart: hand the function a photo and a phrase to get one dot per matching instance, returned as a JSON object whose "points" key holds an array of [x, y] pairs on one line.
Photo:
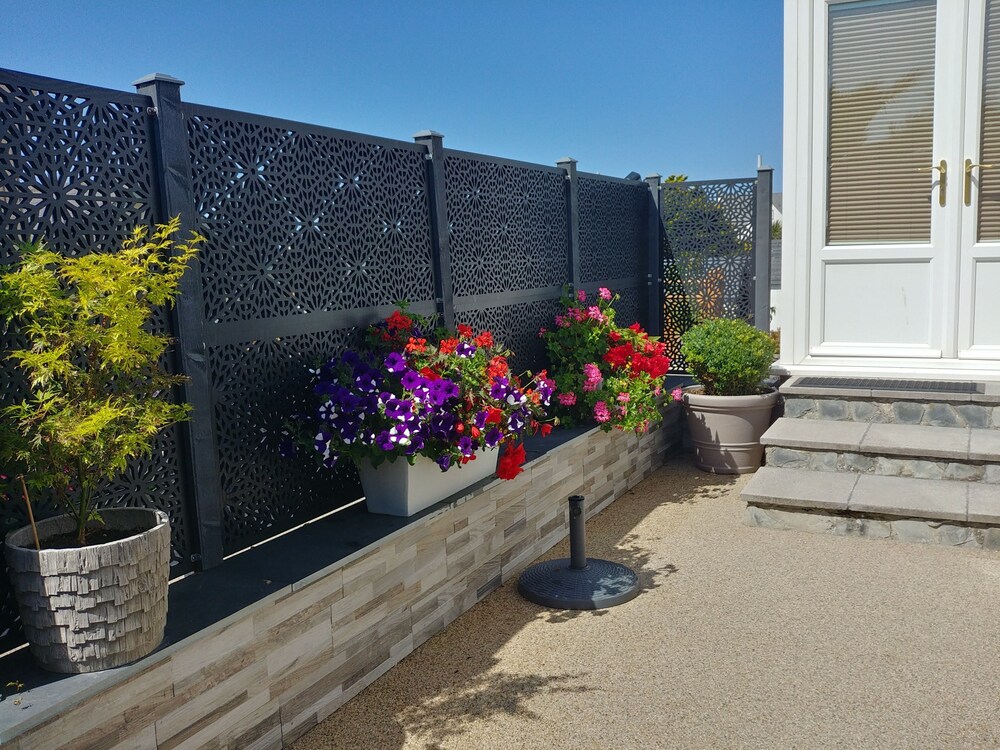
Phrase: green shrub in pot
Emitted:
{"points": [[728, 357], [730, 412]]}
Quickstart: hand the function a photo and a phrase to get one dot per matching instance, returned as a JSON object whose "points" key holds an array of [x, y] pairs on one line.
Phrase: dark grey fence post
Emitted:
{"points": [[654, 260], [762, 250], [177, 198], [444, 290], [573, 209]]}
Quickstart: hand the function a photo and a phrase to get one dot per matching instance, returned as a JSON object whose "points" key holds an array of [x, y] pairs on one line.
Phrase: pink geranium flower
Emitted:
{"points": [[604, 293], [676, 394], [567, 399], [601, 413], [581, 295]]}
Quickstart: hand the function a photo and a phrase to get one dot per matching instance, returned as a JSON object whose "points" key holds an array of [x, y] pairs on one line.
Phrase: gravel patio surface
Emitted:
{"points": [[742, 638]]}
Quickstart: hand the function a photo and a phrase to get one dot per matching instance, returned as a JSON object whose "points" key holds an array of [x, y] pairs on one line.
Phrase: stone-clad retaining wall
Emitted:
{"points": [[267, 674]]}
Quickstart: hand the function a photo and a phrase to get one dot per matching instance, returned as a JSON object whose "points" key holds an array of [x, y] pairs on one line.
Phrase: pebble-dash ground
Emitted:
{"points": [[742, 638]]}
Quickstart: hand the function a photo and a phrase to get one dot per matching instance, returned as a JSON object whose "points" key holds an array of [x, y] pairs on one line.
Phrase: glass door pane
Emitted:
{"points": [[881, 117]]}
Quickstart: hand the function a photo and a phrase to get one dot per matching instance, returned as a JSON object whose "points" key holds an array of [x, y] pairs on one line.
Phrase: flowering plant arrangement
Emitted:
{"points": [[603, 372], [414, 389]]}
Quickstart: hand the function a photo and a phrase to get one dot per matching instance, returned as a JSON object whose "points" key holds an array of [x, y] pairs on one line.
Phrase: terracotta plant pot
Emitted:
{"points": [[726, 430], [398, 489], [89, 608]]}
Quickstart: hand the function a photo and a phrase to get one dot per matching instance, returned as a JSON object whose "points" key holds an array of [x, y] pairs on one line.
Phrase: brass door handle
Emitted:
{"points": [[969, 166], [943, 186]]}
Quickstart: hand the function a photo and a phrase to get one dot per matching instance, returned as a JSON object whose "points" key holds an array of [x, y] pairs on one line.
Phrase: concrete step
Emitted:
{"points": [[979, 409], [918, 451], [927, 510]]}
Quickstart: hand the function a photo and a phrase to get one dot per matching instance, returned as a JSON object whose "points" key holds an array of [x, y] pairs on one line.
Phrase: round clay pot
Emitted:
{"points": [[726, 430], [89, 608]]}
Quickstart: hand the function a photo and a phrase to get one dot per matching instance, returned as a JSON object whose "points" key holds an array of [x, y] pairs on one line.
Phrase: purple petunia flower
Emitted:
{"points": [[442, 425], [465, 350], [479, 420], [492, 437], [412, 379], [465, 445], [400, 434], [444, 461], [500, 388], [395, 363], [396, 408], [516, 421], [383, 441]]}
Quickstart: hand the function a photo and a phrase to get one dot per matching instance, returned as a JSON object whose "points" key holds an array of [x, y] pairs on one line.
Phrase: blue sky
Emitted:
{"points": [[668, 86]]}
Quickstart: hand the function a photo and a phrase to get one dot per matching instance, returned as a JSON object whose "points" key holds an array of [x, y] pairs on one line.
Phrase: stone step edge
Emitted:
{"points": [[963, 444], [871, 494]]}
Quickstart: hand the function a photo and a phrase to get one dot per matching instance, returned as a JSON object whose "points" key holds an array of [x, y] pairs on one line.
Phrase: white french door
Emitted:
{"points": [[905, 241]]}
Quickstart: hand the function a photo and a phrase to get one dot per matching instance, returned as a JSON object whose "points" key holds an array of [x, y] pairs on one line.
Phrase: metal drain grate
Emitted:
{"points": [[883, 384]]}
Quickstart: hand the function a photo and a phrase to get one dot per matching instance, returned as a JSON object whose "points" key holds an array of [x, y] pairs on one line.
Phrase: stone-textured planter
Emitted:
{"points": [[96, 607], [726, 430], [398, 489]]}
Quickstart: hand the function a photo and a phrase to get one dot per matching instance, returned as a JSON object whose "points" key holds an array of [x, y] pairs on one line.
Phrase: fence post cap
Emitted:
{"points": [[428, 134], [157, 77], [566, 160], [654, 176]]}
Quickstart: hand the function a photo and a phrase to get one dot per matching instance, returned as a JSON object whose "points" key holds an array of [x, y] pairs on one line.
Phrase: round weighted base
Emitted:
{"points": [[601, 584]]}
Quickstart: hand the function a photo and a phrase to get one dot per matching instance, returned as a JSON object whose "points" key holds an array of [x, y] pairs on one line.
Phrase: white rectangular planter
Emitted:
{"points": [[398, 489]]}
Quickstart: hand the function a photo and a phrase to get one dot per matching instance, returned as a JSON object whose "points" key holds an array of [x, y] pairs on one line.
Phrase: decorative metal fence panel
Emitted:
{"points": [[507, 223], [311, 234], [614, 240], [708, 255], [303, 224], [77, 171]]}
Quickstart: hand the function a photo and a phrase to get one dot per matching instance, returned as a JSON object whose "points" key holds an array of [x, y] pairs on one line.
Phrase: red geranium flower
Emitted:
{"points": [[464, 331], [618, 356], [398, 321], [448, 346], [510, 462], [497, 367], [484, 339], [494, 415]]}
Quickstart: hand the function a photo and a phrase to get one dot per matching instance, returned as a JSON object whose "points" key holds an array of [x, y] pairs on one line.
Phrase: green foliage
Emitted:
{"points": [[98, 394], [728, 357], [776, 229]]}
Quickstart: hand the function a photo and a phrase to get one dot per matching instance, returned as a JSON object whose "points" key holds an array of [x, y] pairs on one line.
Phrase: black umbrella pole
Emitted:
{"points": [[577, 533]]}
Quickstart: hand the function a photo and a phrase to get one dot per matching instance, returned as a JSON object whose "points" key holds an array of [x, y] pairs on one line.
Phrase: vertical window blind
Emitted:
{"points": [[989, 152], [881, 112]]}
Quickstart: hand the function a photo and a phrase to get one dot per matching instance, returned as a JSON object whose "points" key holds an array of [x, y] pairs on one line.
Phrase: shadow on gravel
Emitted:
{"points": [[452, 681]]}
